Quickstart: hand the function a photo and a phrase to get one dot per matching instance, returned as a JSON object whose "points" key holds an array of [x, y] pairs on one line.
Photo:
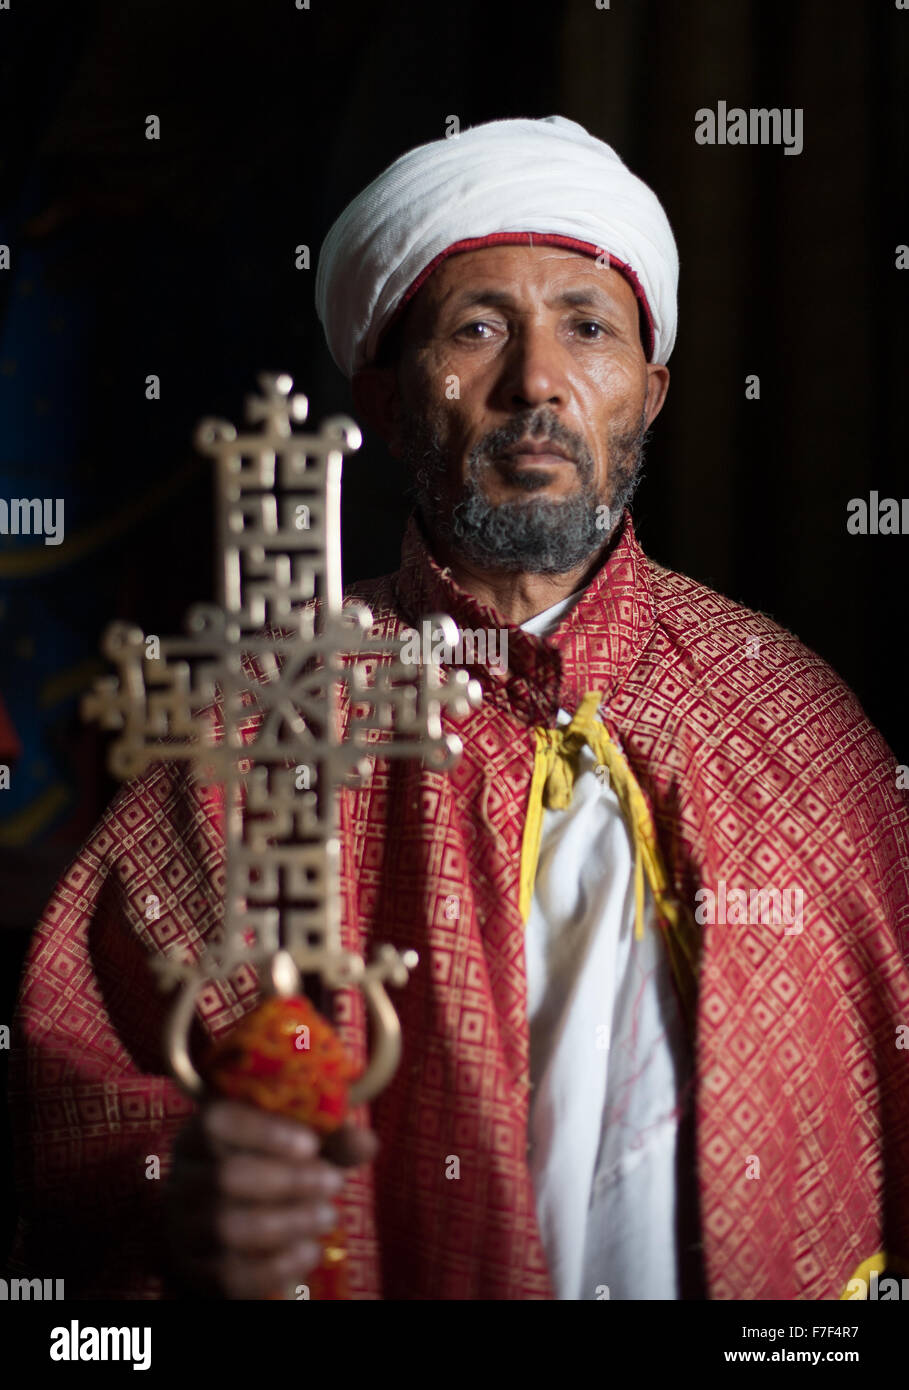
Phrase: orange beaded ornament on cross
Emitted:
{"points": [[286, 1058]]}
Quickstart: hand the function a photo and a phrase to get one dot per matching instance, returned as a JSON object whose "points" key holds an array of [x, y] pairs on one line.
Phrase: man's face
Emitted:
{"points": [[522, 400]]}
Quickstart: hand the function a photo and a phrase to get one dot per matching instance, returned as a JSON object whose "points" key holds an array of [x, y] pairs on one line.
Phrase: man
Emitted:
{"points": [[653, 1049]]}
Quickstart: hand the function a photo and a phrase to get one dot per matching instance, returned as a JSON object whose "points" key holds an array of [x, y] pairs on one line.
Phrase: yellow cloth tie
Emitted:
{"points": [[556, 766], [894, 1266]]}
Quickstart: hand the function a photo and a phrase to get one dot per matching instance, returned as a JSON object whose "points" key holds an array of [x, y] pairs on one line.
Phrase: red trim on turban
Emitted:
{"points": [[587, 248]]}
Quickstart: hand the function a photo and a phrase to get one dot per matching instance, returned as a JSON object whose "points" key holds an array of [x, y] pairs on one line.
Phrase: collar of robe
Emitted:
{"points": [[608, 628]]}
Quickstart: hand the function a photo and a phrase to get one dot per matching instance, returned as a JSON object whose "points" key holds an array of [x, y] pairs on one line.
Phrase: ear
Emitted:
{"points": [[657, 388], [377, 400]]}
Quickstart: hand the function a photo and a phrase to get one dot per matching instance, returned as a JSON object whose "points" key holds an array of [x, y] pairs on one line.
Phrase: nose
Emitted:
{"points": [[534, 370]]}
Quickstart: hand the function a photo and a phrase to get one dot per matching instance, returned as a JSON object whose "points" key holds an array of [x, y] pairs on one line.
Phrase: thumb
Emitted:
{"points": [[350, 1145]]}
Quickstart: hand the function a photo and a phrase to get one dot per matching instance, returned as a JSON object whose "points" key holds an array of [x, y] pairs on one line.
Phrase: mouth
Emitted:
{"points": [[533, 453]]}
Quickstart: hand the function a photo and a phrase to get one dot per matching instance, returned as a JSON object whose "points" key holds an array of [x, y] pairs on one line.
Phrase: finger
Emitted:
{"points": [[350, 1146], [276, 1274], [246, 1177], [239, 1276], [249, 1230], [230, 1124], [204, 1223]]}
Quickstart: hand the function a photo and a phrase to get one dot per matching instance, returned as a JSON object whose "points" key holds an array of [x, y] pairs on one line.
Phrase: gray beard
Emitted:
{"points": [[539, 536]]}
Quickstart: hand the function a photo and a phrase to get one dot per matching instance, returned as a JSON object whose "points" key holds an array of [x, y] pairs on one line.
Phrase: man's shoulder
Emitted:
{"points": [[745, 665], [380, 596], [702, 621], [374, 592]]}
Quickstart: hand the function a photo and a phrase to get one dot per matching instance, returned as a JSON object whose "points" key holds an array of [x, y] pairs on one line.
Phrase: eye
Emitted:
{"points": [[599, 328], [467, 328]]}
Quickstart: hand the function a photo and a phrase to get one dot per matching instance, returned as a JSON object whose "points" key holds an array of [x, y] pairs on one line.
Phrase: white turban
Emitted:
{"points": [[549, 178]]}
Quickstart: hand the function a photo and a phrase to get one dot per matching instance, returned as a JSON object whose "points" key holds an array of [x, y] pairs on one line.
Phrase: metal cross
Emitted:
{"points": [[252, 698]]}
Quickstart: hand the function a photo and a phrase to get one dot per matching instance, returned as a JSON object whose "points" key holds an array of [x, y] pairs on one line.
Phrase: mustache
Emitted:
{"points": [[542, 423]]}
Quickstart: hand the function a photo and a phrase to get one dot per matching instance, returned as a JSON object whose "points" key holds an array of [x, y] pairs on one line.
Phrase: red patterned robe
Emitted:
{"points": [[760, 769]]}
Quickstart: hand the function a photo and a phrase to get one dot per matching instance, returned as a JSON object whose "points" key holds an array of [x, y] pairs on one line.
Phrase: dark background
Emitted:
{"points": [[176, 257]]}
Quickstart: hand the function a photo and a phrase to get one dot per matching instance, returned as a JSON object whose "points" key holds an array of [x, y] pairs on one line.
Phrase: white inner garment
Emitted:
{"points": [[608, 1053]]}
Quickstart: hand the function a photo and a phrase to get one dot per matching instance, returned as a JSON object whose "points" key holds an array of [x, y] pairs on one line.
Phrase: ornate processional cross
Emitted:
{"points": [[272, 662]]}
